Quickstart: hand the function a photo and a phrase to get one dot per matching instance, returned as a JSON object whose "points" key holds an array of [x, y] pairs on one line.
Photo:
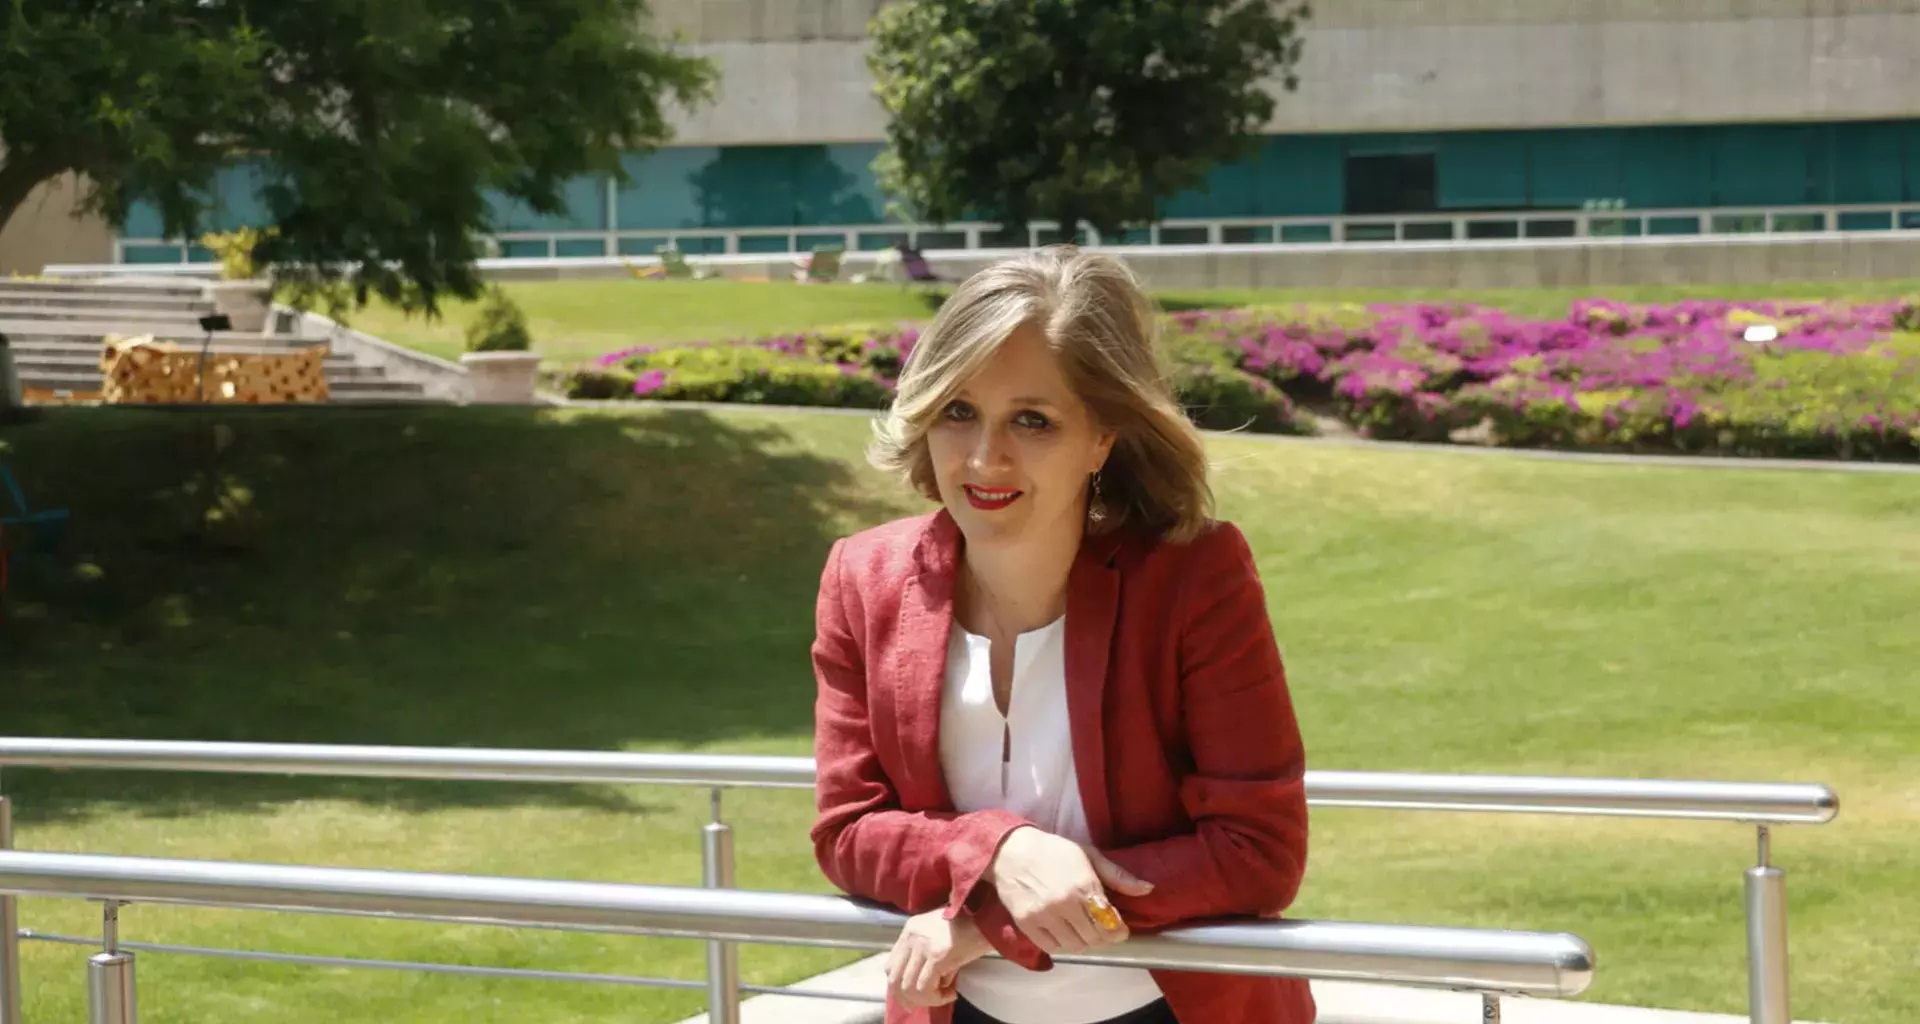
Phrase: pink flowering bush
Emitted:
{"points": [[1832, 380]]}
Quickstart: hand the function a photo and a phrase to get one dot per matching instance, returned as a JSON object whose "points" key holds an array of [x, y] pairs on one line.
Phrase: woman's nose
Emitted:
{"points": [[988, 450]]}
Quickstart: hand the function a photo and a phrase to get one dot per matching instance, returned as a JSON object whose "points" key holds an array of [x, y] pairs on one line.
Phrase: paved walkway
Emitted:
{"points": [[1340, 1003]]}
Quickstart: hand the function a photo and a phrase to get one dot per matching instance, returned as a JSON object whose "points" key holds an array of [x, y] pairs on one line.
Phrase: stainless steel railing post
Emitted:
{"points": [[1767, 993], [1489, 1008], [110, 998], [9, 932], [723, 958]]}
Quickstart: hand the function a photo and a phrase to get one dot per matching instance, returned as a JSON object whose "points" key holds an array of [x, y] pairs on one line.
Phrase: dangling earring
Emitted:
{"points": [[1097, 504]]}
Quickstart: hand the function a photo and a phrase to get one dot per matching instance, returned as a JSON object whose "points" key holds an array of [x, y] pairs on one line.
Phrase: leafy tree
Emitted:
{"points": [[1071, 110], [377, 127]]}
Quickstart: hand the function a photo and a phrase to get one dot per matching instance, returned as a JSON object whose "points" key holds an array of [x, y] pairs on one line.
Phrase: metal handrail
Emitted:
{"points": [[1505, 962], [1761, 805], [1745, 802]]}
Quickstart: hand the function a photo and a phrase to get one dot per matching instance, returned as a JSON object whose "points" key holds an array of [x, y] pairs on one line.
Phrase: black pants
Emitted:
{"points": [[1153, 1013]]}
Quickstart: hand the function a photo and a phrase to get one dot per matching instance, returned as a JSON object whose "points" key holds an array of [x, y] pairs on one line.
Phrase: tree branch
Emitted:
{"points": [[19, 176]]}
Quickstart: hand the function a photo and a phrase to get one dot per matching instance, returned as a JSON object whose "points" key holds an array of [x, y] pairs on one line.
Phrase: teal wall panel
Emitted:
{"points": [[1482, 170], [585, 201], [707, 188], [1227, 187], [1760, 165], [659, 192], [688, 187], [143, 221], [1300, 176], [1910, 149], [1857, 163], [234, 201], [1666, 167], [1570, 168]]}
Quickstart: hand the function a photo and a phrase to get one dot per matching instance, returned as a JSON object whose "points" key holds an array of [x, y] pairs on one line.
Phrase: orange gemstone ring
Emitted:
{"points": [[1102, 912]]}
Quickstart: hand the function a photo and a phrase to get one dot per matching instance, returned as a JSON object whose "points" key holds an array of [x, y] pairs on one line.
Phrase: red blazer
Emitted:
{"points": [[1190, 763]]}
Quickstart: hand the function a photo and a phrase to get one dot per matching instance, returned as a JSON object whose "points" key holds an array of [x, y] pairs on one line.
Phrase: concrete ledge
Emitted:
{"points": [[440, 380], [863, 977], [1345, 1002], [1512, 263], [1518, 263], [1340, 1002]]}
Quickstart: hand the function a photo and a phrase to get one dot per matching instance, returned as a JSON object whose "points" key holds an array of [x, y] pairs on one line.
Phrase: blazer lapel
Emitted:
{"points": [[920, 656], [1093, 601]]}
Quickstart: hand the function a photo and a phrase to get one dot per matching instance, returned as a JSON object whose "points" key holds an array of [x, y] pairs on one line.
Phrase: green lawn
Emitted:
{"points": [[644, 580], [573, 321]]}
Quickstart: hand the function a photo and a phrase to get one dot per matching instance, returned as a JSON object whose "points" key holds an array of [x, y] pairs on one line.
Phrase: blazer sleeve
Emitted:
{"points": [[866, 843], [1246, 794]]}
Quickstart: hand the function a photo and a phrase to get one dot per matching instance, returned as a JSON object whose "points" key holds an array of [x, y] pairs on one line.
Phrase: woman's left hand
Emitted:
{"points": [[927, 957]]}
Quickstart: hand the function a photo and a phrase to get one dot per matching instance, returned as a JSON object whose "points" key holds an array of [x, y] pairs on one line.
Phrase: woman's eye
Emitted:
{"points": [[957, 411], [1033, 421]]}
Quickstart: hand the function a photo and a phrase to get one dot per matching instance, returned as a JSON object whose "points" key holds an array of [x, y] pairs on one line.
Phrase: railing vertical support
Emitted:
{"points": [[1767, 994], [1489, 1008], [723, 958], [110, 998], [9, 932]]}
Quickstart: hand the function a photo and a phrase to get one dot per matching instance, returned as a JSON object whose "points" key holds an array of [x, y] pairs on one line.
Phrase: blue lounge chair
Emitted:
{"points": [[45, 528]]}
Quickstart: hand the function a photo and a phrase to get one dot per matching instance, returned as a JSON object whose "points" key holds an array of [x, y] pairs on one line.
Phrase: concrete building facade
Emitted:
{"points": [[1439, 109]]}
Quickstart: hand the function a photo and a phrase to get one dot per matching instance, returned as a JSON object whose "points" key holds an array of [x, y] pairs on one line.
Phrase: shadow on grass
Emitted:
{"points": [[440, 577]]}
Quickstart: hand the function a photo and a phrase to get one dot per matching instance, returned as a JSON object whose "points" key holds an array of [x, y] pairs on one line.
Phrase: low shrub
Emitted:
{"points": [[500, 325], [1226, 399], [731, 373]]}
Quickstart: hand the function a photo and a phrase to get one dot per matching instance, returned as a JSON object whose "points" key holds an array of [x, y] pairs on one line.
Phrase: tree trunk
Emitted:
{"points": [[19, 176], [1069, 227]]}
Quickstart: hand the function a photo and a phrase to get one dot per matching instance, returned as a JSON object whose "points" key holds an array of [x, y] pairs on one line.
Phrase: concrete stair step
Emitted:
{"points": [[373, 386], [355, 384], [47, 362], [91, 352], [14, 297], [371, 378], [172, 319], [122, 287], [48, 332], [63, 380]]}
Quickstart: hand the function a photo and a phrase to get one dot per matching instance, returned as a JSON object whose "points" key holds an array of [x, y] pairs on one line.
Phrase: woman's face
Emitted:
{"points": [[1012, 451]]}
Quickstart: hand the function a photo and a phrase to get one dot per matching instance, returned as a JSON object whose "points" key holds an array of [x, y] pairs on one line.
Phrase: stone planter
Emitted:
{"points": [[247, 303], [502, 378]]}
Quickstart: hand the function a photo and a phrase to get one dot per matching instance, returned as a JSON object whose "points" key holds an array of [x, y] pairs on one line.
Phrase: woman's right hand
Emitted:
{"points": [[1044, 881]]}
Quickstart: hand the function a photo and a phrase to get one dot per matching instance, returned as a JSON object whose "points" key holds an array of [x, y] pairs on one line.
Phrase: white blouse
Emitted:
{"points": [[1023, 762]]}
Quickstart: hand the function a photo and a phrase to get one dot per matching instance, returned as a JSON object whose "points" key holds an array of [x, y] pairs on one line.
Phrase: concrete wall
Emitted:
{"points": [[794, 70], [45, 231], [1573, 263]]}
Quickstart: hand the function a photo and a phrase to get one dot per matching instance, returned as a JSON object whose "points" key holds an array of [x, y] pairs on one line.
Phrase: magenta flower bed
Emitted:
{"points": [[1834, 380], [858, 366]]}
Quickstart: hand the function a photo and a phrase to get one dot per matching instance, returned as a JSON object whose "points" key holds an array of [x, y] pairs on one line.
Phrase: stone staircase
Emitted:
{"points": [[57, 331]]}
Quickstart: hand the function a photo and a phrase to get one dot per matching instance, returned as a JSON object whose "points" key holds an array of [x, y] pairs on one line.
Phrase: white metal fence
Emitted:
{"points": [[615, 241], [1527, 963]]}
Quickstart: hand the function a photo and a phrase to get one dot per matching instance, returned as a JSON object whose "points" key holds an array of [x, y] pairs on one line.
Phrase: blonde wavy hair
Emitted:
{"points": [[1101, 326]]}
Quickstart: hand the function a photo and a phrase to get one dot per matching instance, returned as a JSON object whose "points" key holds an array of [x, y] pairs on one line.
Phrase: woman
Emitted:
{"points": [[1058, 696]]}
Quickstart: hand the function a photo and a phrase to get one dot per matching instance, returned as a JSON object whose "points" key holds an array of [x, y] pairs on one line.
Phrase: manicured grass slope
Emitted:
{"points": [[644, 580], [573, 321]]}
